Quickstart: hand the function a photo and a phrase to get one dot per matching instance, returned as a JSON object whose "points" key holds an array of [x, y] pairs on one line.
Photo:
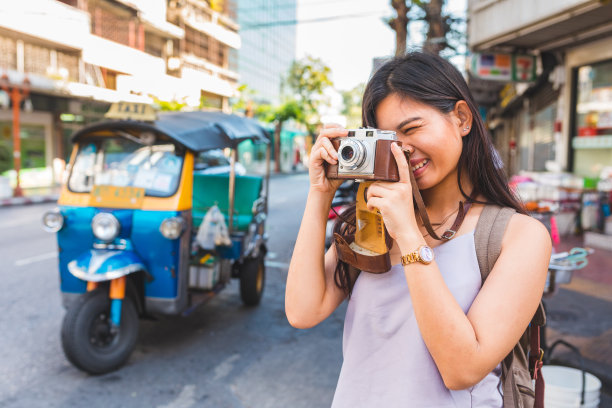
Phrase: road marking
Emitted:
{"points": [[280, 265], [223, 369], [185, 399], [37, 258]]}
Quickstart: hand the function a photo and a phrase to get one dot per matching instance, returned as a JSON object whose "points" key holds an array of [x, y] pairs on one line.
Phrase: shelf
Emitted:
{"points": [[592, 142], [586, 107]]}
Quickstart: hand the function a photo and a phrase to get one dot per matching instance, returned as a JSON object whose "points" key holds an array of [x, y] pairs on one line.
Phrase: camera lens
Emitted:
{"points": [[347, 153], [351, 154]]}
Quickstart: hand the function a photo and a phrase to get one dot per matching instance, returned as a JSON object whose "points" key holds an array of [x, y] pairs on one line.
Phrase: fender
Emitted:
{"points": [[99, 265]]}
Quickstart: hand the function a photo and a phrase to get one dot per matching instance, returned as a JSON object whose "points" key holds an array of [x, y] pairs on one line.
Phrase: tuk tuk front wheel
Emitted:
{"points": [[90, 342], [252, 279]]}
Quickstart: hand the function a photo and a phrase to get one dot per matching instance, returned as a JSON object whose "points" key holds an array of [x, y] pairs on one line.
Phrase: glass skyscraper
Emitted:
{"points": [[268, 34]]}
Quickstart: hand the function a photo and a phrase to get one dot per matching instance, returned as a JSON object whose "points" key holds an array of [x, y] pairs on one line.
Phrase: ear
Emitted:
{"points": [[463, 117]]}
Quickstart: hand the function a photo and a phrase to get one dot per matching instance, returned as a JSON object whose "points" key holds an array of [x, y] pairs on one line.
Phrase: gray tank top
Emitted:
{"points": [[386, 363]]}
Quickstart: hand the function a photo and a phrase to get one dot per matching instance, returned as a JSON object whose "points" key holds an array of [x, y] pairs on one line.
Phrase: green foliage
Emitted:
{"points": [[244, 100], [352, 105], [169, 105], [306, 82], [290, 109], [307, 78]]}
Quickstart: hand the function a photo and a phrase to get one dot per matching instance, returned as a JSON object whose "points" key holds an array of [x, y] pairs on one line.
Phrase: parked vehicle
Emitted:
{"points": [[127, 222]]}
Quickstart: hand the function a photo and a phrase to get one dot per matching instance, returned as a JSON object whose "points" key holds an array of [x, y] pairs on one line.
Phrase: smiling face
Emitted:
{"points": [[434, 138]]}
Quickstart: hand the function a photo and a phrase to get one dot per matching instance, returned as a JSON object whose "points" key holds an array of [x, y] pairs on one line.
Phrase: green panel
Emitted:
{"points": [[211, 189]]}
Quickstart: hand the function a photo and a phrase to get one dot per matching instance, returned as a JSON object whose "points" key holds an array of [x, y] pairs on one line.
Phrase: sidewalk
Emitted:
{"points": [[32, 196], [581, 314]]}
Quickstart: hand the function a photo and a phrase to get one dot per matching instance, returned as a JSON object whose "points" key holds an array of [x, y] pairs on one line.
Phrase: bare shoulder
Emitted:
{"points": [[525, 225], [524, 230]]}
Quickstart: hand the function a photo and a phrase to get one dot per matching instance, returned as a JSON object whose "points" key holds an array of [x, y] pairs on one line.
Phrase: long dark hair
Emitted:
{"points": [[431, 80]]}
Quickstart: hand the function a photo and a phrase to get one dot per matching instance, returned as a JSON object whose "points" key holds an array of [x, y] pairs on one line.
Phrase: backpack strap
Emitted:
{"points": [[520, 366]]}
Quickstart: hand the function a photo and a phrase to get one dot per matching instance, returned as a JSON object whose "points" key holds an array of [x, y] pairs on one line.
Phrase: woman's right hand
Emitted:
{"points": [[323, 151]]}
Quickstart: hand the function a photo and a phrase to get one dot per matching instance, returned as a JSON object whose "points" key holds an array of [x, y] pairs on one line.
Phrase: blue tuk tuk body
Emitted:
{"points": [[127, 222]]}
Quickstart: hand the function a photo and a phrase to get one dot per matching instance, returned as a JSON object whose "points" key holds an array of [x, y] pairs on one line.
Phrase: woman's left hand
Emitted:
{"points": [[394, 200]]}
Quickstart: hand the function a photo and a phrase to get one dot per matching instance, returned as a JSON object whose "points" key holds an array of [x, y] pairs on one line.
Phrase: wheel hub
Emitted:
{"points": [[101, 333]]}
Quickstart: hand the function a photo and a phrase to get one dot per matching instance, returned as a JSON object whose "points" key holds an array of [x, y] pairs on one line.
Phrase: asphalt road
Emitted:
{"points": [[222, 355]]}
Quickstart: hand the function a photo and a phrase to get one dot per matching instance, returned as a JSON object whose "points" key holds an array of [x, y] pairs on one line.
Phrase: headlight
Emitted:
{"points": [[53, 220], [172, 228], [105, 226]]}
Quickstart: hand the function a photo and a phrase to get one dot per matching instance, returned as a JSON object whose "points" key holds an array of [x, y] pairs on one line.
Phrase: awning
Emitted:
{"points": [[590, 22]]}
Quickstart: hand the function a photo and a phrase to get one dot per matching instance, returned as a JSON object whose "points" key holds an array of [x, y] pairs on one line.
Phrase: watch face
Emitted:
{"points": [[426, 254]]}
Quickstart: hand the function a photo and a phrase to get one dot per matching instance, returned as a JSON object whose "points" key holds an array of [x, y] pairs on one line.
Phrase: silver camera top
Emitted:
{"points": [[363, 133]]}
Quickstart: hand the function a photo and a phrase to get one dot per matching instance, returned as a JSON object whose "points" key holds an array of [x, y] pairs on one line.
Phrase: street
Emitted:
{"points": [[222, 355]]}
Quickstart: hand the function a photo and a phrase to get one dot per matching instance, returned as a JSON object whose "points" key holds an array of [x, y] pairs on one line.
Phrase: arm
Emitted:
{"points": [[498, 316], [311, 293], [466, 347]]}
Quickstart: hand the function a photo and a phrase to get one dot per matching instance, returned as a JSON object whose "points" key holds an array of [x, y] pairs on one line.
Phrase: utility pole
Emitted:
{"points": [[17, 94]]}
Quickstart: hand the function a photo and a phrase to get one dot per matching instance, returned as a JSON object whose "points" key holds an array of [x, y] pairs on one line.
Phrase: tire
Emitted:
{"points": [[86, 338], [252, 279]]}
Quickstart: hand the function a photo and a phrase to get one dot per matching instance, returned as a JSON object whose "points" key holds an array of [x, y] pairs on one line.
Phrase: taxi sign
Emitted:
{"points": [[131, 111], [116, 197]]}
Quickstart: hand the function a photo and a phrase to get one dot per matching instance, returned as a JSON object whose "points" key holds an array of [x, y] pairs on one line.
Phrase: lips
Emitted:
{"points": [[417, 164]]}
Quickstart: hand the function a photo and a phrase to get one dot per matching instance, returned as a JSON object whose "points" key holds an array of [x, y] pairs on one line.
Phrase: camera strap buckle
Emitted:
{"points": [[448, 234]]}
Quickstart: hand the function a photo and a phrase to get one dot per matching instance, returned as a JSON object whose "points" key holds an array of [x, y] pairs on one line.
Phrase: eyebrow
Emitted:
{"points": [[406, 121]]}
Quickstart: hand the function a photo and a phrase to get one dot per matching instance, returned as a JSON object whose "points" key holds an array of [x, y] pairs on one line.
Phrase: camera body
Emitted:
{"points": [[365, 154]]}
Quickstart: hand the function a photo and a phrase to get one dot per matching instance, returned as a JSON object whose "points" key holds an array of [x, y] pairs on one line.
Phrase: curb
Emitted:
{"points": [[14, 201]]}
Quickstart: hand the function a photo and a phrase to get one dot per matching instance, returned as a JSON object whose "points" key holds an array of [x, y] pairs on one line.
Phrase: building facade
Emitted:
{"points": [[559, 118], [268, 33], [70, 59]]}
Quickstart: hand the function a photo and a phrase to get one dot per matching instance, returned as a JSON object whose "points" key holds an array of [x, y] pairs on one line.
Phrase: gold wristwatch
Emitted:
{"points": [[423, 254]]}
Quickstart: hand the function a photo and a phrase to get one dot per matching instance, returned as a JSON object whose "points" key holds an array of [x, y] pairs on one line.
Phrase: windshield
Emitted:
{"points": [[122, 162]]}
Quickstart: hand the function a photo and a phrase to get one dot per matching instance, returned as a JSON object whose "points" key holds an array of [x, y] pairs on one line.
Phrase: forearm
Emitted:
{"points": [[306, 280], [446, 330]]}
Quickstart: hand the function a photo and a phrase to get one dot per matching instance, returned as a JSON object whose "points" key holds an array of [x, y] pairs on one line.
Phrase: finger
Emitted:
{"points": [[326, 156], [373, 204], [332, 125], [373, 191], [333, 132], [329, 147], [402, 163]]}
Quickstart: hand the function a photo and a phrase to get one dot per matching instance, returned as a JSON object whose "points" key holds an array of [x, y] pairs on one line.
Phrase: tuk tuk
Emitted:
{"points": [[127, 220]]}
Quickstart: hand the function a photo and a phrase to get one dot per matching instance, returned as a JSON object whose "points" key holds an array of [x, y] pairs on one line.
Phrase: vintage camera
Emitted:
{"points": [[365, 154]]}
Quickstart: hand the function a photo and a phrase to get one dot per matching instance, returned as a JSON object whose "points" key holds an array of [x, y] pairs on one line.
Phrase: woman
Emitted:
{"points": [[422, 334]]}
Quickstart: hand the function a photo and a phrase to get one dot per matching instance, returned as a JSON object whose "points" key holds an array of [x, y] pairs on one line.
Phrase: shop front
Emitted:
{"points": [[590, 138], [45, 129]]}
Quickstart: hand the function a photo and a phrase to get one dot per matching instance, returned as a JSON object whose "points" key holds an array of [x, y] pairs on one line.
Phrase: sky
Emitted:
{"points": [[347, 44]]}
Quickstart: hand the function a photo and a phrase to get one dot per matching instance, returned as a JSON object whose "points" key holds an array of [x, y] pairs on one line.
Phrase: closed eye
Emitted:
{"points": [[410, 129]]}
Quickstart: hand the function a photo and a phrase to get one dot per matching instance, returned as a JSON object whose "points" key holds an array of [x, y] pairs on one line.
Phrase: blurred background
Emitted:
{"points": [[540, 71]]}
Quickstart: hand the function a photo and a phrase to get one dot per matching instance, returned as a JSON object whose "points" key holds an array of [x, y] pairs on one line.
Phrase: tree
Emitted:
{"points": [[307, 81], [399, 24], [352, 106], [305, 84], [290, 109], [440, 32], [244, 102]]}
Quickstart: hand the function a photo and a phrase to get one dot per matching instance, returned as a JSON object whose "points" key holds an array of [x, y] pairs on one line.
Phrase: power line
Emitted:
{"points": [[314, 20]]}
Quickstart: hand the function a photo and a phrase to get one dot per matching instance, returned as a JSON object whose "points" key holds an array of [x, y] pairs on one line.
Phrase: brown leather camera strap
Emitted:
{"points": [[369, 263], [420, 205]]}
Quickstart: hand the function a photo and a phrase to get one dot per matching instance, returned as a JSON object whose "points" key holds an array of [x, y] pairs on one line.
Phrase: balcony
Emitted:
{"points": [[121, 58], [51, 22]]}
